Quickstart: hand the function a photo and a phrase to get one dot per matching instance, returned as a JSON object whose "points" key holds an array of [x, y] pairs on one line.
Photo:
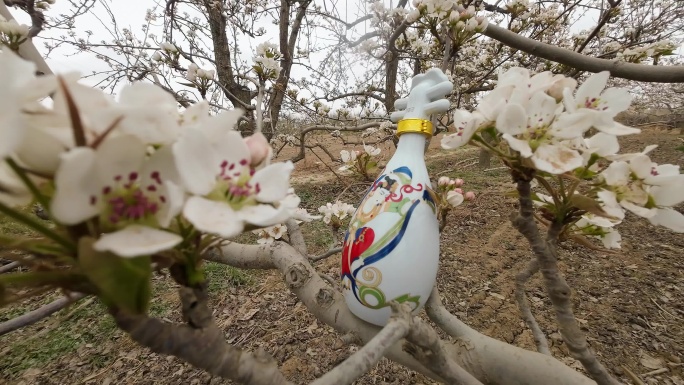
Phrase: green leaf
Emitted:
{"points": [[588, 204], [122, 282]]}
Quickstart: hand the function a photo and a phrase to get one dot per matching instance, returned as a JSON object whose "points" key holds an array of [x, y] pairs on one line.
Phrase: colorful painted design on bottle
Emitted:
{"points": [[374, 258]]}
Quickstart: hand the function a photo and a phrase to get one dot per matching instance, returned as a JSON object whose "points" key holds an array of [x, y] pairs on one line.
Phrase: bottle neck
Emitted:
{"points": [[412, 143]]}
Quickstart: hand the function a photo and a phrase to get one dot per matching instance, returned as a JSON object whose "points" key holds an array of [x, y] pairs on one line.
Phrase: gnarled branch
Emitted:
{"points": [[639, 72]]}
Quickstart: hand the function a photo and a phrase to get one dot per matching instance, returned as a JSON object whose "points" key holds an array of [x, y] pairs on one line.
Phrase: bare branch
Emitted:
{"points": [[639, 72], [201, 342], [302, 135], [524, 306], [9, 267], [363, 360], [325, 255], [426, 346], [36, 315], [495, 361]]}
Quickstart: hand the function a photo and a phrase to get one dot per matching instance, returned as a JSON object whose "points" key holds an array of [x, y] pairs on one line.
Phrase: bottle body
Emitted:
{"points": [[391, 249]]}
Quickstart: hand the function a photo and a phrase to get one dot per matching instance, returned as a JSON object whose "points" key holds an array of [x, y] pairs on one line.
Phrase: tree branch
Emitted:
{"points": [[639, 72], [491, 361], [557, 289], [201, 342], [369, 354], [36, 315], [496, 362], [524, 306]]}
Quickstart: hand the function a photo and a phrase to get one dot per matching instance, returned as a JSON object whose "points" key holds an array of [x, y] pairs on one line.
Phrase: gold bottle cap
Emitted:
{"points": [[419, 126]]}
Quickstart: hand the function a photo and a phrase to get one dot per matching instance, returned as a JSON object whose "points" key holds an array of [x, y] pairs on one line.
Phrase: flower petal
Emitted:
{"points": [[512, 120], [668, 195], [592, 87], [638, 210], [40, 153], [556, 159], [118, 157], [518, 145], [273, 181], [196, 162], [610, 204], [217, 125], [136, 241], [265, 215], [603, 144], [669, 218], [616, 174], [75, 185], [213, 217], [612, 239], [616, 99], [175, 197]]}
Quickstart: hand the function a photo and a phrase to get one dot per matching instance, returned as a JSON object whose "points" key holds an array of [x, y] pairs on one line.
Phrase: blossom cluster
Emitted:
{"points": [[458, 17], [135, 172], [335, 213], [540, 122], [11, 32], [270, 234], [266, 62], [450, 191], [361, 162], [196, 73]]}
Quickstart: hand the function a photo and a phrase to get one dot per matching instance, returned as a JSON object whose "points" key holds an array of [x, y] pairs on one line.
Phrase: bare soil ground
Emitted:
{"points": [[630, 304]]}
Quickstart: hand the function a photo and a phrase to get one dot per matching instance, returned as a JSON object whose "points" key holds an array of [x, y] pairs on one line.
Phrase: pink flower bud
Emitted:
{"points": [[259, 149], [459, 182], [443, 181], [469, 196], [458, 190]]}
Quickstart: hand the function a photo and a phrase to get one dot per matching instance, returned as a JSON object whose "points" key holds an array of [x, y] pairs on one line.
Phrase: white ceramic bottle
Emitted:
{"points": [[391, 249]]}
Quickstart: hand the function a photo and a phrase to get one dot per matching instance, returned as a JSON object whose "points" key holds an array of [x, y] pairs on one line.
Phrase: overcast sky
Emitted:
{"points": [[131, 14]]}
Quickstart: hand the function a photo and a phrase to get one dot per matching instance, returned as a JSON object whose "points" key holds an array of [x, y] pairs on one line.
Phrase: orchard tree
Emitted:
{"points": [[136, 185]]}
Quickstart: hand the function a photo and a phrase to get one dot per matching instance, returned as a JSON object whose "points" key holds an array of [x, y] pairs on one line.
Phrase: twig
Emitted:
{"points": [[325, 255], [656, 372], [9, 267], [523, 304], [39, 314], [361, 362], [633, 376]]}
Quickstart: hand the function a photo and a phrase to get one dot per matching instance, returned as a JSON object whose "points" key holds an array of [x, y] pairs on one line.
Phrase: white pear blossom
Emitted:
{"points": [[348, 156], [466, 124], [19, 87], [270, 234], [168, 47], [13, 31], [227, 191], [594, 107], [132, 194], [646, 189], [337, 211], [530, 130], [371, 150], [601, 228], [13, 192]]}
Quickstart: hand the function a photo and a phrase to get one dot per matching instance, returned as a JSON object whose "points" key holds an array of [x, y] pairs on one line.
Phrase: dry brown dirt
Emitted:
{"points": [[630, 304]]}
